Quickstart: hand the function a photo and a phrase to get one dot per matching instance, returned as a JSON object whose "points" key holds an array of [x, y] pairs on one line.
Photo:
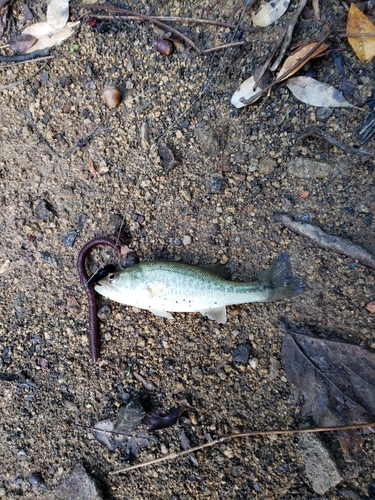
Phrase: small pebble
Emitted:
{"points": [[303, 194], [43, 211], [370, 307], [177, 242], [240, 354], [253, 363], [215, 183], [186, 240], [36, 479], [69, 238], [104, 312], [323, 114]]}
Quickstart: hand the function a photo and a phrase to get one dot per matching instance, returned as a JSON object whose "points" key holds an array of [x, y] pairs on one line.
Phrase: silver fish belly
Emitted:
{"points": [[165, 287]]}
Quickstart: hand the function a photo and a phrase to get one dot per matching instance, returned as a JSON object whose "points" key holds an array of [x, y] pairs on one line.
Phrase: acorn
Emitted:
{"points": [[112, 95], [164, 47]]}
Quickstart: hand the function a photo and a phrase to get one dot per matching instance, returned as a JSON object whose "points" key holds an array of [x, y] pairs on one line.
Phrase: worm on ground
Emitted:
{"points": [[93, 317]]}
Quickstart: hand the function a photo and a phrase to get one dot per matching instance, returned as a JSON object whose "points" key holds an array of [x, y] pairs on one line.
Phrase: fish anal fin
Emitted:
{"points": [[218, 314], [160, 312]]}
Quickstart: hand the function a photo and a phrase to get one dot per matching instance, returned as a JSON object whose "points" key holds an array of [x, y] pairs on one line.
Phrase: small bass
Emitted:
{"points": [[165, 287]]}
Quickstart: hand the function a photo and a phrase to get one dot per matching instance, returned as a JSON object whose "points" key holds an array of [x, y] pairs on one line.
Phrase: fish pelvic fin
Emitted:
{"points": [[279, 281], [218, 314], [160, 312]]}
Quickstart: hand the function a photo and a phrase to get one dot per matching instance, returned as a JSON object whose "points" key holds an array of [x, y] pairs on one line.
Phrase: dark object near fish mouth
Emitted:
{"points": [[100, 274]]}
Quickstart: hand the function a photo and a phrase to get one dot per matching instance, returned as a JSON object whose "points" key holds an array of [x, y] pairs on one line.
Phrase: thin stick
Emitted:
{"points": [[25, 57], [109, 8], [208, 21], [335, 142], [289, 33], [241, 435], [18, 82], [328, 241], [234, 44], [316, 10], [38, 59]]}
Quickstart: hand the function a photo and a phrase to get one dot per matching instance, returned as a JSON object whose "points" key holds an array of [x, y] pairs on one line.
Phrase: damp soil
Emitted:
{"points": [[194, 180]]}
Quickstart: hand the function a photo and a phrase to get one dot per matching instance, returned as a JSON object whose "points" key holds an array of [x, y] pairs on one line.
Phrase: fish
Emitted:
{"points": [[165, 287]]}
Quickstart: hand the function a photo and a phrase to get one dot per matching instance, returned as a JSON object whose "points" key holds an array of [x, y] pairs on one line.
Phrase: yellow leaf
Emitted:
{"points": [[364, 46]]}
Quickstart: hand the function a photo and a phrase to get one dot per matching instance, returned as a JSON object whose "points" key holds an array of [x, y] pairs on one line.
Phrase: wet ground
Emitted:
{"points": [[232, 170]]}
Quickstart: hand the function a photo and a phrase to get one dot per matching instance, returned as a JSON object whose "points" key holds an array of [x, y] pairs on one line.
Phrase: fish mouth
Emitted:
{"points": [[102, 273]]}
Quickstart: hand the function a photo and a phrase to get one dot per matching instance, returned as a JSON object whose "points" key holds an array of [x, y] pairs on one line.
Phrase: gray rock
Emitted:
{"points": [[215, 183], [266, 165], [43, 211], [321, 468], [322, 114], [78, 485], [307, 168], [69, 238], [241, 353], [104, 312], [168, 160]]}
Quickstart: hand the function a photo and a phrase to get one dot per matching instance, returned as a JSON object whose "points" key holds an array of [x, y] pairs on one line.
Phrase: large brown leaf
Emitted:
{"points": [[334, 380]]}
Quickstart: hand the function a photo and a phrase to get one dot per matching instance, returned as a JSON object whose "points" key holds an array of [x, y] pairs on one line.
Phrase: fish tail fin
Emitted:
{"points": [[279, 281]]}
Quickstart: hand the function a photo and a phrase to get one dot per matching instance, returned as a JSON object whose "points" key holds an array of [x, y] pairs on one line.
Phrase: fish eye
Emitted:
{"points": [[112, 277]]}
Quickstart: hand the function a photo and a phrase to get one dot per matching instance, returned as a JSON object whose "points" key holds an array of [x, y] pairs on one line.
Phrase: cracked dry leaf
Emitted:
{"points": [[315, 93], [48, 36], [270, 12], [298, 55], [334, 380], [358, 22]]}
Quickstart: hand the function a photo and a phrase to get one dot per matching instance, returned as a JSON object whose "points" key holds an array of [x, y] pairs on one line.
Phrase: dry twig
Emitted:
{"points": [[241, 435], [328, 241], [335, 142], [289, 33], [141, 17]]}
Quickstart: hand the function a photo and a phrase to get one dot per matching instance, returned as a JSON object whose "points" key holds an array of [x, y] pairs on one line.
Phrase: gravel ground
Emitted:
{"points": [[232, 171]]}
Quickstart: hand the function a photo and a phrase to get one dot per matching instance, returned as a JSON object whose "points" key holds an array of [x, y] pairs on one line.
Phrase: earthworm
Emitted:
{"points": [[93, 317], [324, 240]]}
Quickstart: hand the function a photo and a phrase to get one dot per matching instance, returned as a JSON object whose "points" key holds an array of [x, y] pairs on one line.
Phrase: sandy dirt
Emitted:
{"points": [[234, 170]]}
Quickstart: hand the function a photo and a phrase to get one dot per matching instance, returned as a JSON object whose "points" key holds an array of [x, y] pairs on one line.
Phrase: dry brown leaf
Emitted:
{"points": [[358, 22], [21, 43], [298, 55], [334, 380]]}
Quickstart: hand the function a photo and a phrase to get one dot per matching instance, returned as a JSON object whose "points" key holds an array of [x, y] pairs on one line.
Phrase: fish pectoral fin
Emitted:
{"points": [[155, 290], [217, 314], [160, 312]]}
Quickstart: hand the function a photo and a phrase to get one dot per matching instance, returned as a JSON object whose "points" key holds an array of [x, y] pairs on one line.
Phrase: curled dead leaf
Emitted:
{"points": [[298, 55], [153, 421]]}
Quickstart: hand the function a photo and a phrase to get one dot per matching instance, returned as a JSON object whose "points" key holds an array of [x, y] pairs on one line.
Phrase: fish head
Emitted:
{"points": [[109, 285]]}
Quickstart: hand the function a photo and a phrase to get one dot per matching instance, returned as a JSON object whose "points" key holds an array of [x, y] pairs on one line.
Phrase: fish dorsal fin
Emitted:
{"points": [[218, 314], [218, 269]]}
